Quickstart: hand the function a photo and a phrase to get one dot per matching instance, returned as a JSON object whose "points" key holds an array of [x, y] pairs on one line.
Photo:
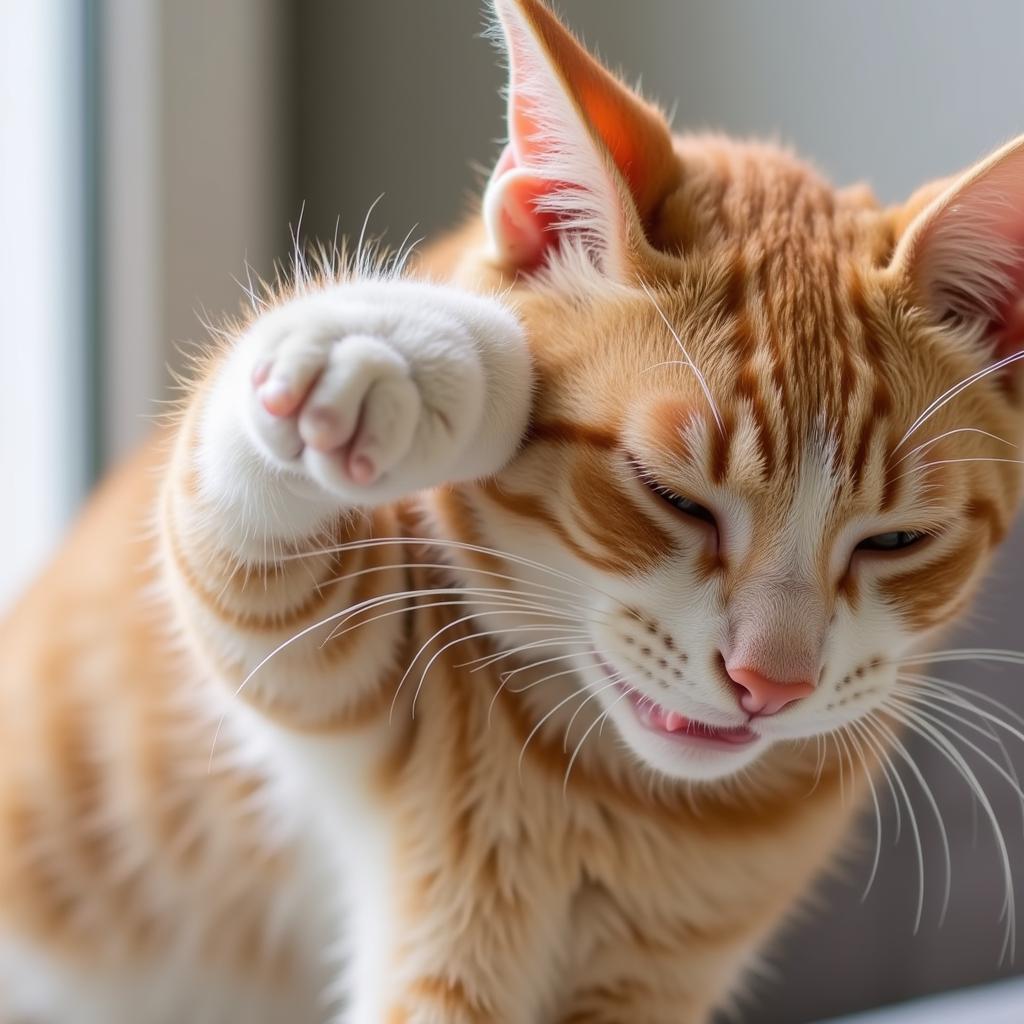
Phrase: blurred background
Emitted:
{"points": [[153, 149]]}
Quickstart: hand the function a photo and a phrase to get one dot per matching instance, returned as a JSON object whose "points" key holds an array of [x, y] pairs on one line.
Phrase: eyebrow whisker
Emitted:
{"points": [[686, 356]]}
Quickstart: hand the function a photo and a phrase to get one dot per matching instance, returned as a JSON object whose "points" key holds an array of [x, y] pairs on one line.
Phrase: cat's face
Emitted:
{"points": [[767, 457], [753, 560]]}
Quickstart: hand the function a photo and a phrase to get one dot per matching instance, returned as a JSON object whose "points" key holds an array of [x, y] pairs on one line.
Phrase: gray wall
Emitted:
{"points": [[399, 96]]}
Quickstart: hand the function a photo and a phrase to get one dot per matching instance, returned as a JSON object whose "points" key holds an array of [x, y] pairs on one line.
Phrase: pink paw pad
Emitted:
{"points": [[277, 397], [362, 470]]}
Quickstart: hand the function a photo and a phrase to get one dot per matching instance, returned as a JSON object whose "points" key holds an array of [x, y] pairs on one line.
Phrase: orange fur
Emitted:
{"points": [[533, 886]]}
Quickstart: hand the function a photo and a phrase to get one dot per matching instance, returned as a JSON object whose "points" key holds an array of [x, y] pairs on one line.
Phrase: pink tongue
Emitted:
{"points": [[658, 717], [674, 721], [668, 721]]}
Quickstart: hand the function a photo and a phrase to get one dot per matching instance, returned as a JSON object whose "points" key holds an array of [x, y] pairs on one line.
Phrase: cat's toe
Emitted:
{"points": [[387, 423], [284, 380], [360, 416]]}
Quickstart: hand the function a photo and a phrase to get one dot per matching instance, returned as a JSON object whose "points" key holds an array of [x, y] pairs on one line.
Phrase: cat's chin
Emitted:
{"points": [[678, 746]]}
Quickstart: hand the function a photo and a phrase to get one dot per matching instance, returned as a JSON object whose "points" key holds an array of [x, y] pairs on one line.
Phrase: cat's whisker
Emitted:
{"points": [[486, 660], [950, 688], [913, 687], [949, 433], [900, 747], [929, 685], [593, 725], [574, 670], [582, 690], [294, 638], [461, 546], [584, 641], [950, 393], [612, 681], [934, 717], [490, 605], [343, 615], [347, 613], [844, 744], [1004, 655], [938, 696], [509, 673], [932, 707], [579, 635], [550, 593], [841, 766], [964, 697], [701, 380], [948, 462], [847, 737], [915, 831], [820, 765], [889, 769], [498, 598], [844, 758], [665, 362], [464, 600], [934, 733], [856, 736], [561, 657], [938, 739]]}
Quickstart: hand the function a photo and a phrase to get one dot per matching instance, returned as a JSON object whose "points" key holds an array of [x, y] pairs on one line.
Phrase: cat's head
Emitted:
{"points": [[773, 446]]}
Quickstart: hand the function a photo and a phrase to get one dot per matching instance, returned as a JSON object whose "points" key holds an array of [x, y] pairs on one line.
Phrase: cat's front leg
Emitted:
{"points": [[325, 410], [278, 519]]}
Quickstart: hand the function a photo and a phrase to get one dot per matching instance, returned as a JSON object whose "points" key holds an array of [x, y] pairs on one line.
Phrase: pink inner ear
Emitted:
{"points": [[511, 204], [587, 157], [1008, 324], [965, 251]]}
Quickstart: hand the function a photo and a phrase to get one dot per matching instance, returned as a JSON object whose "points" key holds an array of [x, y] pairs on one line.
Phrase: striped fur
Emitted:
{"points": [[284, 744]]}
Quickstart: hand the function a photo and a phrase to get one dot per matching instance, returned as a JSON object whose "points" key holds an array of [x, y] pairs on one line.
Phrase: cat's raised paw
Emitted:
{"points": [[374, 390], [352, 400]]}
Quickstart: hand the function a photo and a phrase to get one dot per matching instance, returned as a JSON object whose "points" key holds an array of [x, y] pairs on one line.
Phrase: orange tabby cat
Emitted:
{"points": [[468, 673]]}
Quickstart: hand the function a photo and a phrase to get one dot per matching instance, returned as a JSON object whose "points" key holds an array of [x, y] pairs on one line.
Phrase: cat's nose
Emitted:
{"points": [[760, 695]]}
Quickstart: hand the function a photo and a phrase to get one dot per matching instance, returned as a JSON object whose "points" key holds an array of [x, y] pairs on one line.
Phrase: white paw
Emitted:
{"points": [[378, 389], [351, 399]]}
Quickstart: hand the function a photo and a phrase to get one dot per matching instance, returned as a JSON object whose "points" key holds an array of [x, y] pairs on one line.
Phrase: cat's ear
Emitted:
{"points": [[586, 156], [963, 252]]}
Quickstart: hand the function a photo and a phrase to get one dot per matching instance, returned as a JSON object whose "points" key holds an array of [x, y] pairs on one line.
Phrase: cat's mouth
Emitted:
{"points": [[677, 727]]}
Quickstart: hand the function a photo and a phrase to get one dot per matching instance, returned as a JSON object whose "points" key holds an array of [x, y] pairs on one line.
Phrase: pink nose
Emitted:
{"points": [[763, 696]]}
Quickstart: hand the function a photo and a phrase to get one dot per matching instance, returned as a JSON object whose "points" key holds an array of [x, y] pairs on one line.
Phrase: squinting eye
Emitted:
{"points": [[684, 505], [895, 541]]}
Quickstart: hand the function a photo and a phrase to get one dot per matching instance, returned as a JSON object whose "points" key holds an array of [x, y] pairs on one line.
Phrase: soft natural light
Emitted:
{"points": [[41, 267]]}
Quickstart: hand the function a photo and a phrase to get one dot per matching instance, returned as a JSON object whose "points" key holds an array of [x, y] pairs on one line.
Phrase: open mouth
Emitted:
{"points": [[679, 728]]}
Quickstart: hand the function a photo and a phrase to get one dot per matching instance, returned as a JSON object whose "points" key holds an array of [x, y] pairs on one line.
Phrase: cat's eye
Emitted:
{"points": [[896, 540], [685, 505]]}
